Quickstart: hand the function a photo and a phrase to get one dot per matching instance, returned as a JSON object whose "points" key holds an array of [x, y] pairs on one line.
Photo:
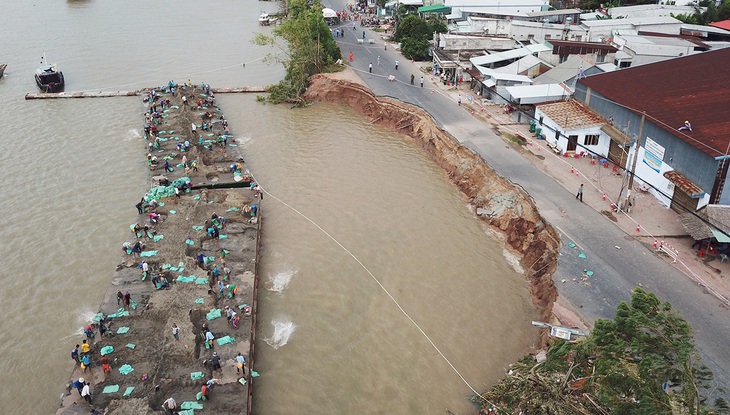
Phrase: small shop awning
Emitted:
{"points": [[684, 183], [434, 8]]}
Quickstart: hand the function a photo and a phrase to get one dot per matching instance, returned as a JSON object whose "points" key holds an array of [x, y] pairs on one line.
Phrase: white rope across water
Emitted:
{"points": [[382, 287]]}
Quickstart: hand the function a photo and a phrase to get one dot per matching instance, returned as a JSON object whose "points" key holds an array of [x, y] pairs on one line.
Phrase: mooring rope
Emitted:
{"points": [[382, 287]]}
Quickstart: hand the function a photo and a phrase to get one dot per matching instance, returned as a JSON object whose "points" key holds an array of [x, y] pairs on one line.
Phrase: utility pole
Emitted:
{"points": [[625, 204]]}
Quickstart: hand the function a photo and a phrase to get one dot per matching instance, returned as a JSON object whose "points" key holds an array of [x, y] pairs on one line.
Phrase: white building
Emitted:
{"points": [[649, 10], [603, 30], [571, 128], [498, 7]]}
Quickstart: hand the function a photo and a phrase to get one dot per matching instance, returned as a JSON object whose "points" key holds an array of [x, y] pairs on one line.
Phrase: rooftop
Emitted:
{"points": [[692, 88], [723, 24], [571, 115]]}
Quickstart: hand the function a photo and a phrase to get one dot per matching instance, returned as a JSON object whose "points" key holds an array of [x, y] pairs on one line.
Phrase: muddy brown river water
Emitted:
{"points": [[331, 339]]}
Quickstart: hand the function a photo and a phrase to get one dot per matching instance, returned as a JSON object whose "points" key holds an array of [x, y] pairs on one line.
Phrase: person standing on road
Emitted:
{"points": [[176, 332], [421, 81], [413, 77], [370, 67], [378, 60], [351, 57], [363, 35], [240, 364], [458, 100], [580, 193], [86, 392], [396, 64]]}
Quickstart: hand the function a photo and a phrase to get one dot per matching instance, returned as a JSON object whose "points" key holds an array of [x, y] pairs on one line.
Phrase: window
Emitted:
{"points": [[530, 37], [600, 58], [591, 140], [547, 37]]}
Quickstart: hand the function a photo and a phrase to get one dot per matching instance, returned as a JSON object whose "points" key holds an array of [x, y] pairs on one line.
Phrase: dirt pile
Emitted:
{"points": [[142, 339], [503, 205]]}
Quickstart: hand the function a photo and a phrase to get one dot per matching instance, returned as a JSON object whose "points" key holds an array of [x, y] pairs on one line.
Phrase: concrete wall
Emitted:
{"points": [[456, 43]]}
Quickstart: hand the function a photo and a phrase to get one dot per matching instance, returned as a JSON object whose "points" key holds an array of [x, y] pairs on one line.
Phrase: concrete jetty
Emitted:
{"points": [[135, 92], [191, 256]]}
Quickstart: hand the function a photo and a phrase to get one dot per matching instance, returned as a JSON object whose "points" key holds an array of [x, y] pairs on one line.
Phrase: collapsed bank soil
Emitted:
{"points": [[506, 207], [163, 366]]}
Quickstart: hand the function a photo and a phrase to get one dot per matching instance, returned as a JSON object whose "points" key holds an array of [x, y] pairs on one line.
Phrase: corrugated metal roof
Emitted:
{"points": [[509, 54], [571, 115], [532, 94], [683, 183], [723, 24], [693, 88]]}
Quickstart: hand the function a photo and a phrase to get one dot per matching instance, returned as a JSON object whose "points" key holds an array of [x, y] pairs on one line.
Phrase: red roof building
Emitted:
{"points": [[678, 111], [723, 24]]}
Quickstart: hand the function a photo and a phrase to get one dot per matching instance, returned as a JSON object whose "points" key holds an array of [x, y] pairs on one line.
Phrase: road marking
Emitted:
{"points": [[568, 236]]}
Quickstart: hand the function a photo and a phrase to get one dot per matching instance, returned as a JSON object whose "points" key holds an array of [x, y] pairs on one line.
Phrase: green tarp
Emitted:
{"points": [[111, 389], [191, 405], [107, 350], [122, 330], [126, 369], [147, 254], [191, 278], [131, 346], [129, 390], [225, 340], [213, 314], [201, 281]]}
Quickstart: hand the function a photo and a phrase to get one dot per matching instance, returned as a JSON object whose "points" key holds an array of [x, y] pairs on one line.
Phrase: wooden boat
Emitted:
{"points": [[2, 68], [48, 77]]}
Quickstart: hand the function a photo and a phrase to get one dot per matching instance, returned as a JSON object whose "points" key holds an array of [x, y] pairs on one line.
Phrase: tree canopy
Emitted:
{"points": [[643, 362], [309, 49], [415, 34]]}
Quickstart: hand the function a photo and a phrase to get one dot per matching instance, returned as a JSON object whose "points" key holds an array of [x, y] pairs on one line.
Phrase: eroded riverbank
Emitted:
{"points": [[507, 207]]}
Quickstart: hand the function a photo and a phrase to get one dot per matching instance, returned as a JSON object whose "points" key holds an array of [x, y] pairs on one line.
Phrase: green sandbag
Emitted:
{"points": [[196, 375], [181, 278], [173, 212], [106, 350], [134, 305], [131, 346], [126, 369], [233, 209], [242, 306], [201, 281], [111, 389], [223, 237], [582, 255], [186, 412], [213, 314], [588, 273], [197, 197], [120, 313], [254, 374], [190, 242], [147, 254], [123, 330], [129, 390], [150, 235], [232, 145], [198, 396], [242, 381], [200, 301], [97, 318], [197, 228], [173, 131], [225, 340], [209, 259], [158, 238], [191, 405], [166, 266], [174, 269]]}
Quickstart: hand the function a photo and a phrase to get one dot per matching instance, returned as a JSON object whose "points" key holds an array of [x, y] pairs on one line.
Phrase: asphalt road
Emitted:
{"points": [[616, 270]]}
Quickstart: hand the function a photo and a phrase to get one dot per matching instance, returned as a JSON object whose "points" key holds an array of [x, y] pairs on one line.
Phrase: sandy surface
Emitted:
{"points": [[168, 363]]}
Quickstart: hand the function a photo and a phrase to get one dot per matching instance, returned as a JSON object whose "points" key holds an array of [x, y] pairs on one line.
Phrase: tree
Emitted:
{"points": [[311, 49], [643, 362], [415, 35]]}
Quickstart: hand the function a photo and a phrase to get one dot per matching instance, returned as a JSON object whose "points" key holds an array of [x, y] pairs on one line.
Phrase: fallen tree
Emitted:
{"points": [[642, 362]]}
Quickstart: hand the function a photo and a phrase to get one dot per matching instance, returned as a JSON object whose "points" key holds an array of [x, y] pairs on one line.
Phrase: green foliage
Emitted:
{"points": [[415, 34], [620, 368], [311, 49], [706, 12]]}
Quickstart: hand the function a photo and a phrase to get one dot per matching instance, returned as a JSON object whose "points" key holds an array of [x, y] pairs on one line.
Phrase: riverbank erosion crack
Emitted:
{"points": [[496, 200]]}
